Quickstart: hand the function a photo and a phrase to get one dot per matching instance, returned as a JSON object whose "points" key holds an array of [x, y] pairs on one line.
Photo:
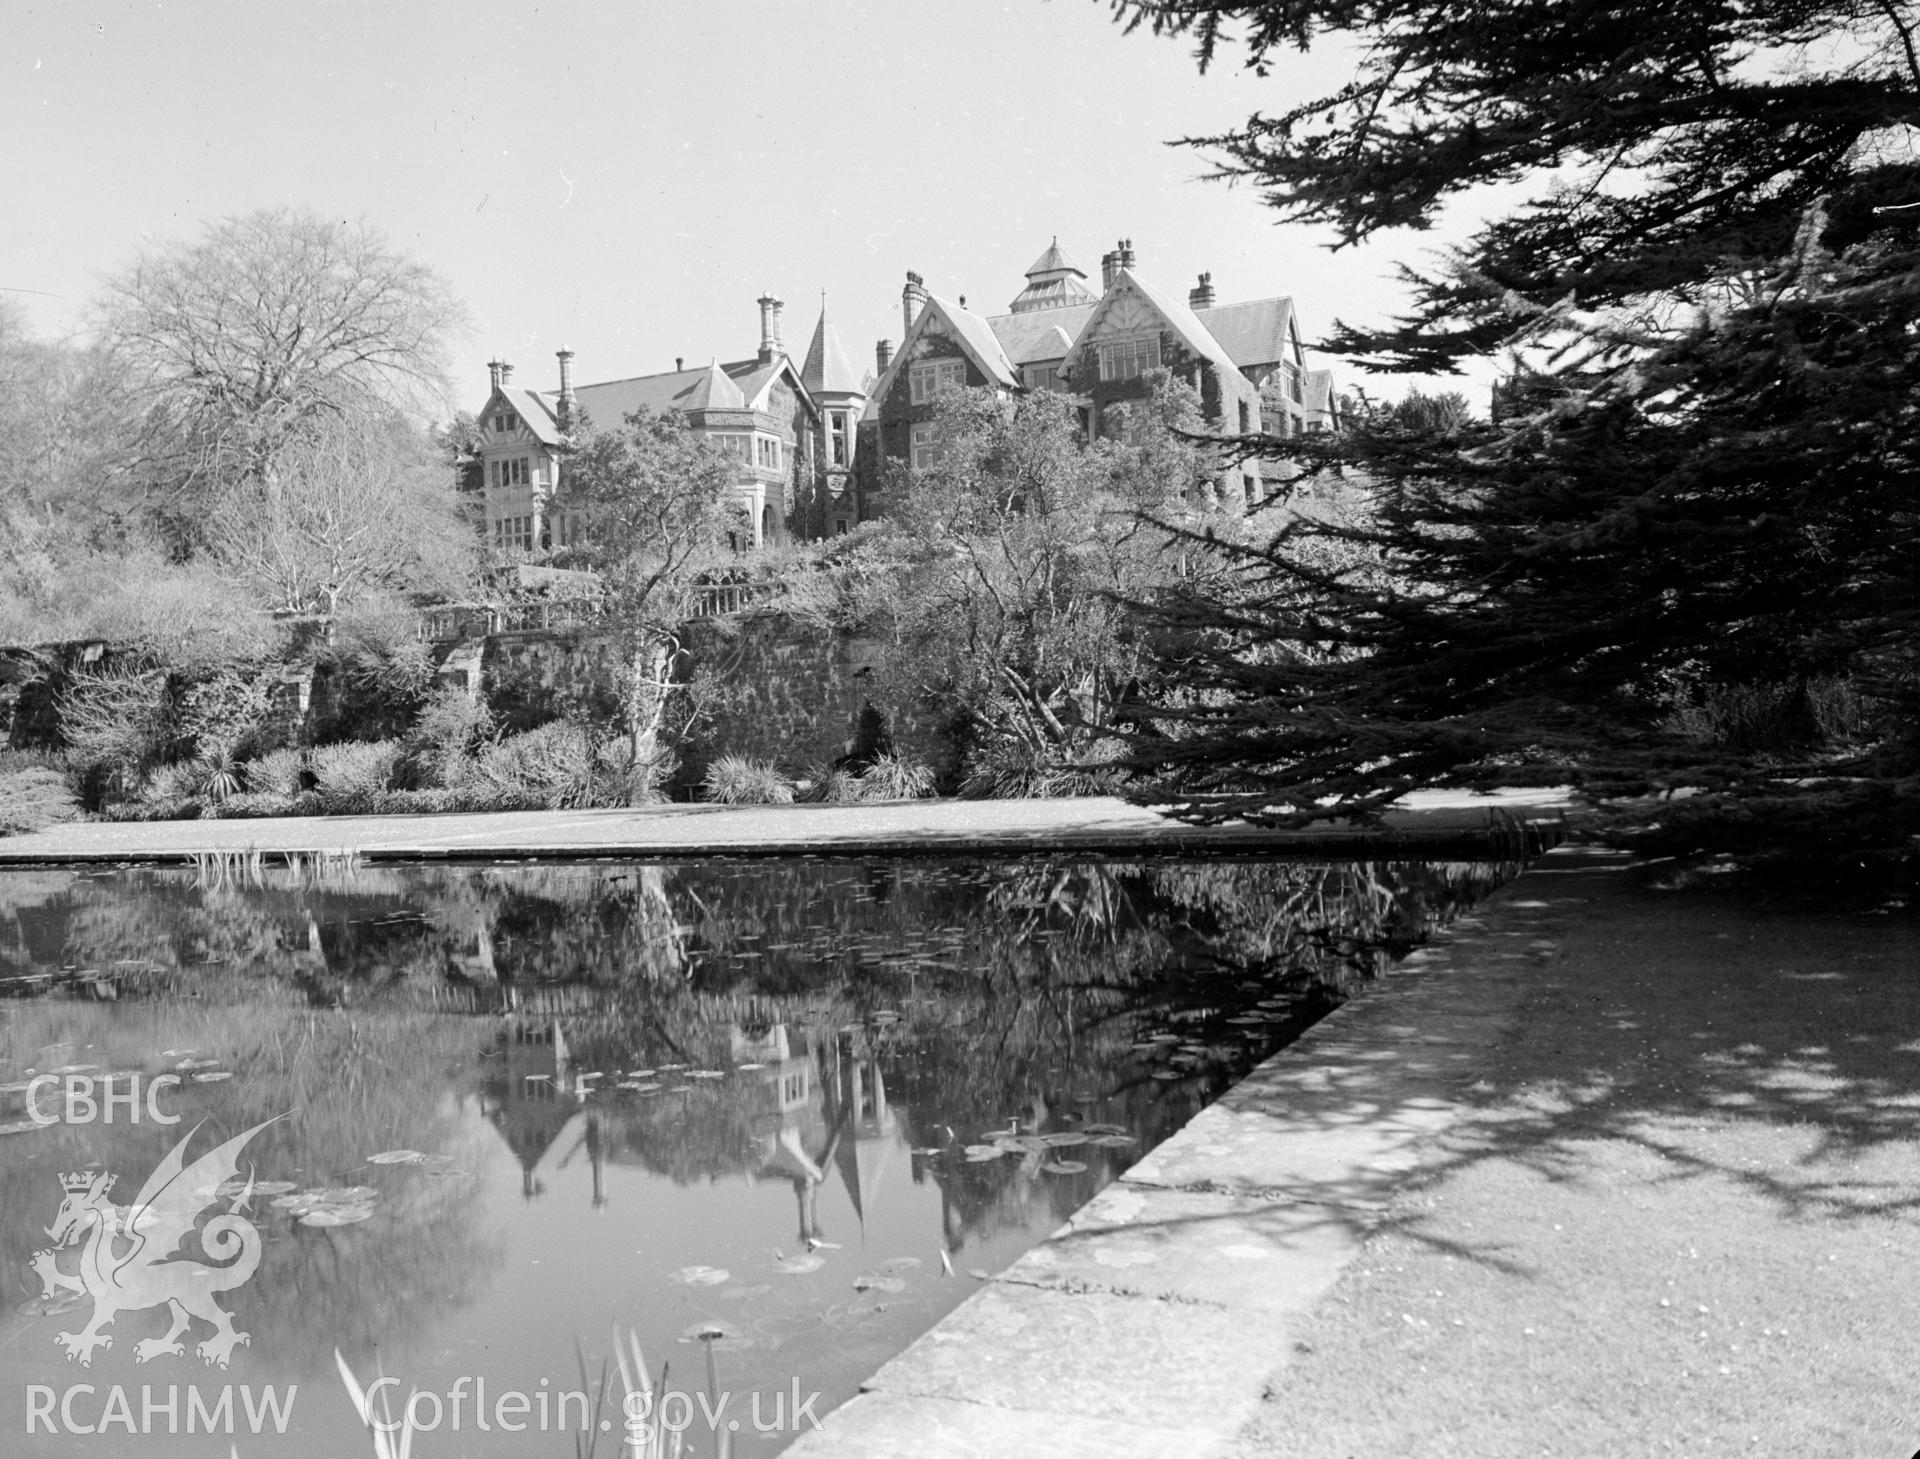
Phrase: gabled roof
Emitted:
{"points": [[532, 407], [1181, 320], [827, 367], [1257, 332], [967, 329], [1045, 335]]}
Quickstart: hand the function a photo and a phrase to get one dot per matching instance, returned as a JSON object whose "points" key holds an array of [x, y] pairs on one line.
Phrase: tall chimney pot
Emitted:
{"points": [[679, 363], [1201, 295], [883, 353], [506, 373], [769, 327], [1109, 266], [493, 373], [913, 298]]}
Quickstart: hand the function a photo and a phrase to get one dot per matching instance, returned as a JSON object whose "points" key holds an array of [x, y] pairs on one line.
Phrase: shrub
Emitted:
{"points": [[736, 780], [177, 780], [552, 766], [250, 804], [895, 776], [116, 724], [444, 739], [276, 773], [34, 798], [348, 776]]}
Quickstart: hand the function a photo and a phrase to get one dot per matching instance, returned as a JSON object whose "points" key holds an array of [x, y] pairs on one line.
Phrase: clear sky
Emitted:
{"points": [[625, 179]]}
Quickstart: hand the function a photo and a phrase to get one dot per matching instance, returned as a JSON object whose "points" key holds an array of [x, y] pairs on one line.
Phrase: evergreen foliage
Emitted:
{"points": [[1683, 557]]}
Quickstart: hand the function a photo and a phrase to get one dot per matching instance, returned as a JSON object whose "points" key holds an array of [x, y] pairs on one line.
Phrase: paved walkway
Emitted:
{"points": [[1095, 823], [1154, 1322]]}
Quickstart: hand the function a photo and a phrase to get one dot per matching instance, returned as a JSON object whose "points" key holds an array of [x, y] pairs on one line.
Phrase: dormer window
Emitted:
{"points": [[505, 421]]}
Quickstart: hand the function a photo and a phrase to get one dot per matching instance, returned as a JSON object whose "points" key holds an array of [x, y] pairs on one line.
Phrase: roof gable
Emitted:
{"points": [[1257, 332], [969, 331], [539, 416], [1131, 304]]}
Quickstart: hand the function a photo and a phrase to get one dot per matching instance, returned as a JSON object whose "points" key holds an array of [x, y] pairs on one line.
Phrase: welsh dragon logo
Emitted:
{"points": [[130, 1256]]}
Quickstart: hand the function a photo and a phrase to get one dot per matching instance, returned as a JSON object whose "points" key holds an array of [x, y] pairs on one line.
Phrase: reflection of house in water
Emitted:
{"points": [[830, 1115], [816, 1111]]}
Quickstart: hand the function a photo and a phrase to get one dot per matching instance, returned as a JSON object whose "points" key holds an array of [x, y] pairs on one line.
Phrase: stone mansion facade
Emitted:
{"points": [[819, 445]]}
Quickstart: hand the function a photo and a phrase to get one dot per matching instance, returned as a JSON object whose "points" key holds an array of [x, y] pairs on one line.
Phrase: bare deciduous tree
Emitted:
{"points": [[358, 504], [269, 324]]}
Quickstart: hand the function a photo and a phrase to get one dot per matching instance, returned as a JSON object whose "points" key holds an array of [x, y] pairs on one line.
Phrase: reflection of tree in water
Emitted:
{"points": [[968, 995]]}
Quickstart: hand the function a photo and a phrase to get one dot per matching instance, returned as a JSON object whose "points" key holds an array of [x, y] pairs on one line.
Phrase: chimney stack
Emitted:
{"points": [[1201, 297], [912, 298], [1126, 253], [494, 367], [1109, 266], [679, 363], [883, 354], [770, 344], [564, 404]]}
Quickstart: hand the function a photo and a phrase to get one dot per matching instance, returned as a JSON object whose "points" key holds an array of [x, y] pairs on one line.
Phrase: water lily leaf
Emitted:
{"points": [[396, 1157], [700, 1276], [1168, 1074], [1103, 1129], [899, 1263], [873, 1282], [1064, 1167], [1115, 1142], [799, 1266], [1064, 1138], [212, 1076], [705, 1074], [984, 1152], [336, 1215]]}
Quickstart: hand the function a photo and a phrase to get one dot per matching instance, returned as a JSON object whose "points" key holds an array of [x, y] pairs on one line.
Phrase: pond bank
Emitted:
{"points": [[1607, 1170], [1432, 823]]}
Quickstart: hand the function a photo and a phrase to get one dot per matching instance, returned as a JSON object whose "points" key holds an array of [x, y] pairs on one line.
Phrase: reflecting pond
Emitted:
{"points": [[769, 1120]]}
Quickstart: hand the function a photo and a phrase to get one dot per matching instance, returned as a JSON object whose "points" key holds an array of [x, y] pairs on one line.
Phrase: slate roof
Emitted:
{"points": [[1257, 332], [535, 410], [976, 339], [1054, 260], [1043, 335], [715, 391], [827, 367]]}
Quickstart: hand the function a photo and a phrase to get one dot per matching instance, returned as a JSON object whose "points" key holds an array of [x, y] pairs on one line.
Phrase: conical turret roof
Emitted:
{"points": [[1054, 261], [828, 368]]}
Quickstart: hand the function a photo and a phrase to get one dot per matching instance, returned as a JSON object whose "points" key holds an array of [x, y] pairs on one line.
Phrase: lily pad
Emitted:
{"points": [[799, 1266], [705, 1074], [899, 1263], [871, 1282], [700, 1276], [1064, 1167], [336, 1215], [1115, 1142], [1064, 1139], [396, 1157], [1103, 1129], [212, 1076], [984, 1152]]}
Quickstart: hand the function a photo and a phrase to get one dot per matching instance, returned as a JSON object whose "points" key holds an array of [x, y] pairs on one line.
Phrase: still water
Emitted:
{"points": [[476, 1129]]}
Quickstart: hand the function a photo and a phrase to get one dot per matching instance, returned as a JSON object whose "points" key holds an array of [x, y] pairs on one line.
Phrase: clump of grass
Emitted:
{"points": [[896, 777], [737, 780]]}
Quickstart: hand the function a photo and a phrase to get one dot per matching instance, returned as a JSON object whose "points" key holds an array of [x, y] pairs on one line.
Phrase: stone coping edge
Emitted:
{"points": [[1155, 1319]]}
